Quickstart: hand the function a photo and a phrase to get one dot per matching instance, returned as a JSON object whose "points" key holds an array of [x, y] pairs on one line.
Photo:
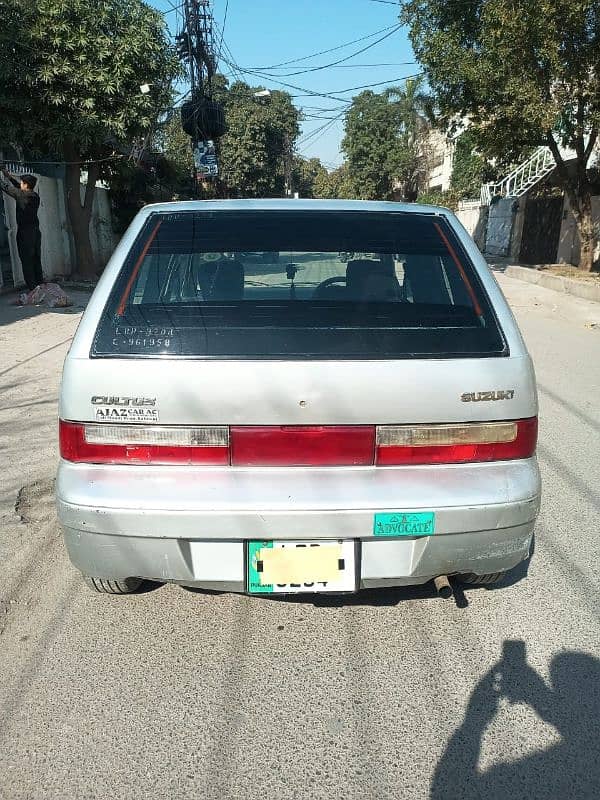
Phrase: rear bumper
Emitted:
{"points": [[190, 525], [221, 564]]}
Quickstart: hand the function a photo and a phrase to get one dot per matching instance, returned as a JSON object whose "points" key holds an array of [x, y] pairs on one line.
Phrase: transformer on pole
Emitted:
{"points": [[202, 118]]}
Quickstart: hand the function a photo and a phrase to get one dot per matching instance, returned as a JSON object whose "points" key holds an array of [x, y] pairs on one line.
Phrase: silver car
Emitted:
{"points": [[354, 409]]}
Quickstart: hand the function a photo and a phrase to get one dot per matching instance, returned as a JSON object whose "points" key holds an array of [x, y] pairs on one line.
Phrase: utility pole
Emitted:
{"points": [[288, 155], [202, 118]]}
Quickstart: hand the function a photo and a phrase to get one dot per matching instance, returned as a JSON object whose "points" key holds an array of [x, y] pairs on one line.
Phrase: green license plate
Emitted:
{"points": [[404, 523]]}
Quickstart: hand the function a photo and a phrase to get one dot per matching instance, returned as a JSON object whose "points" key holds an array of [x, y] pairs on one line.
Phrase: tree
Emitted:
{"points": [[469, 168], [370, 135], [527, 73], [305, 175], [385, 142], [70, 78], [172, 141], [335, 185], [256, 153], [411, 156]]}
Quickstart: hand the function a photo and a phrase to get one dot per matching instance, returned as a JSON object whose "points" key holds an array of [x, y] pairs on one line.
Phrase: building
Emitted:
{"points": [[441, 148]]}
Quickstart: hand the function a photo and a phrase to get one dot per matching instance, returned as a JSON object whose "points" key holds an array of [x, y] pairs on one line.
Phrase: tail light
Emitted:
{"points": [[455, 444], [295, 446], [143, 444], [303, 446]]}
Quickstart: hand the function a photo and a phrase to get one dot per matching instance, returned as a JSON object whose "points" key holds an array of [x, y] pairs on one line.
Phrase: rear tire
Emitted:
{"points": [[113, 586], [472, 579]]}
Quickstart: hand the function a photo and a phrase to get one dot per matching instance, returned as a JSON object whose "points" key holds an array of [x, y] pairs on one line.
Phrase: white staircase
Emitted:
{"points": [[522, 178]]}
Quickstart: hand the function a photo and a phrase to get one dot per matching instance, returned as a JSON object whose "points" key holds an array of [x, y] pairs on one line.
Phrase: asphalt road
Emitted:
{"points": [[396, 694]]}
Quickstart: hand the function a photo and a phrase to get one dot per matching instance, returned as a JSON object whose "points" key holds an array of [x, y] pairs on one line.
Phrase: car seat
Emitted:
{"points": [[221, 280], [368, 280], [424, 280]]}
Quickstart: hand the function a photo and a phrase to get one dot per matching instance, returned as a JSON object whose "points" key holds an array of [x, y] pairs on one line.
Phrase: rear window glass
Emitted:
{"points": [[297, 284]]}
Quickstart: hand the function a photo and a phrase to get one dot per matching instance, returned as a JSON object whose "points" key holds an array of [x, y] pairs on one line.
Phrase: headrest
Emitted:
{"points": [[360, 268], [370, 280]]}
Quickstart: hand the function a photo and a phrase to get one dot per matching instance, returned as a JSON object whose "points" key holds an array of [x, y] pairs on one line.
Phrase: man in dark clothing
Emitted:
{"points": [[29, 238]]}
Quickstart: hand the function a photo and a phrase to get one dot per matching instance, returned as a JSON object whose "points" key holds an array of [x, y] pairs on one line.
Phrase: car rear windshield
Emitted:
{"points": [[295, 285]]}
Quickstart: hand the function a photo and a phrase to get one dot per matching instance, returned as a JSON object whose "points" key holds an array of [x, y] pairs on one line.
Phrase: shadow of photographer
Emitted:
{"points": [[568, 769]]}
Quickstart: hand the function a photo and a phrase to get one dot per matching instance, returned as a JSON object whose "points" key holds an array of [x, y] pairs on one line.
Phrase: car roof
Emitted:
{"points": [[281, 204]]}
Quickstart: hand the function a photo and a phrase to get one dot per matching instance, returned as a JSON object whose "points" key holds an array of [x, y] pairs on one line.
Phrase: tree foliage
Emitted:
{"points": [[526, 73], [70, 78], [256, 153], [335, 185], [306, 175], [385, 142], [175, 145], [470, 169]]}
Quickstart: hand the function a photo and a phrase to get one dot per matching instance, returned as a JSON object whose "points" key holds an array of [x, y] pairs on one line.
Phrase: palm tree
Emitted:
{"points": [[414, 120]]}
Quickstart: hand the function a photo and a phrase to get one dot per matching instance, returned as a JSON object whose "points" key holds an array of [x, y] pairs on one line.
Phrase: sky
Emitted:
{"points": [[265, 33]]}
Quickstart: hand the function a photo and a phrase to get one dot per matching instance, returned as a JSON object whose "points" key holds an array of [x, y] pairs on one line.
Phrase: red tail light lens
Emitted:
{"points": [[132, 444], [298, 446], [303, 446], [456, 444]]}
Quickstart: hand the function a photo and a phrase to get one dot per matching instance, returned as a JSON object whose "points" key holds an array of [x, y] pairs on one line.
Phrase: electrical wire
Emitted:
{"points": [[366, 66], [222, 31], [323, 52], [66, 163], [173, 8], [346, 58], [308, 136], [309, 92], [364, 86], [316, 116], [316, 135]]}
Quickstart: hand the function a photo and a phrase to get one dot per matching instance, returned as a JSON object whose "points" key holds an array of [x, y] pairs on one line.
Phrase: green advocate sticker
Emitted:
{"points": [[405, 523]]}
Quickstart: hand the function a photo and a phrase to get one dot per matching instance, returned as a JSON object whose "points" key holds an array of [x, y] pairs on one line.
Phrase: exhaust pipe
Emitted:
{"points": [[442, 586]]}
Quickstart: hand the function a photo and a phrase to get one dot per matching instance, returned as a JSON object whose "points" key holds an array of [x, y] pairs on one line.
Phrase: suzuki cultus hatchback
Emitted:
{"points": [[355, 407]]}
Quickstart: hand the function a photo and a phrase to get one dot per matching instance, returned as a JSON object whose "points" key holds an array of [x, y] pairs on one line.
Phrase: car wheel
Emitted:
{"points": [[471, 578], [112, 585]]}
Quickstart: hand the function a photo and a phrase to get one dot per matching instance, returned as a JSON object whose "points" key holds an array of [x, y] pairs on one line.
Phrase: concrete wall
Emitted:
{"points": [[474, 217], [499, 229], [517, 229], [569, 243], [57, 245]]}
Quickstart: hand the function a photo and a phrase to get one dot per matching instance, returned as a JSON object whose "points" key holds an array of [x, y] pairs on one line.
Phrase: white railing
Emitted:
{"points": [[18, 167], [522, 178]]}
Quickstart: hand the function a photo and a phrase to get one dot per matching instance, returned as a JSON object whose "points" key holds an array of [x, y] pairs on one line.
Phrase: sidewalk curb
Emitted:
{"points": [[556, 282]]}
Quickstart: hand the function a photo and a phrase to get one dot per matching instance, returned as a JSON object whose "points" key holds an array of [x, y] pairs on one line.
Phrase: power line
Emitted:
{"points": [[270, 78], [319, 108], [330, 50], [322, 129], [222, 30], [318, 134], [316, 116], [346, 58], [310, 93], [83, 162], [173, 8], [366, 66], [364, 86]]}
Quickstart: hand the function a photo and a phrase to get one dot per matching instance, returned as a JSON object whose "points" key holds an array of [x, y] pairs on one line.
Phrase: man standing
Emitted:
{"points": [[29, 238]]}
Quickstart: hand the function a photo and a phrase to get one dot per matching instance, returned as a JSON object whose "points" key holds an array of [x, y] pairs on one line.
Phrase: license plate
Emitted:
{"points": [[293, 567]]}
